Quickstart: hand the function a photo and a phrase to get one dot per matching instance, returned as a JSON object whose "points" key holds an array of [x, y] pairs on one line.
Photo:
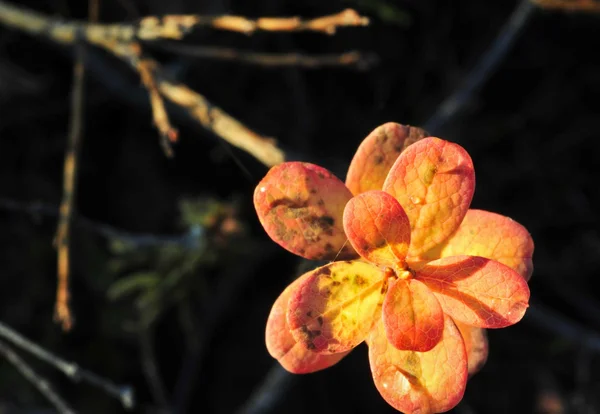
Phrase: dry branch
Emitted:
{"points": [[168, 134], [172, 26], [586, 6], [208, 115], [200, 109], [353, 58]]}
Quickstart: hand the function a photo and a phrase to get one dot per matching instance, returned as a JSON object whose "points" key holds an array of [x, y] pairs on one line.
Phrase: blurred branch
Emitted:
{"points": [[150, 367], [229, 290], [589, 6], [484, 68], [562, 326], [70, 369], [350, 59], [274, 386], [188, 240], [38, 381]]}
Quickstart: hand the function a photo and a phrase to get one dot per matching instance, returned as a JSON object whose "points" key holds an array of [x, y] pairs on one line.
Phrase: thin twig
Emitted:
{"points": [[150, 367], [352, 59], [200, 109], [62, 311], [197, 106], [168, 134], [70, 369], [230, 288], [587, 6], [274, 386], [36, 379], [188, 240], [484, 68], [562, 326]]}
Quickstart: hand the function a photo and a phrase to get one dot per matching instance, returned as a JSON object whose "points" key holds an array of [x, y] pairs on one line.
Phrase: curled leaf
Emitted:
{"points": [[293, 356], [420, 382], [377, 153], [476, 345], [300, 205], [412, 316], [335, 306], [434, 182], [477, 291], [377, 228], [490, 235]]}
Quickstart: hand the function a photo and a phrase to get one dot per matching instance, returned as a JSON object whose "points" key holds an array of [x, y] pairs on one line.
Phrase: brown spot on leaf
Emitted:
{"points": [[381, 138], [378, 159], [308, 336], [328, 220], [320, 320], [288, 202], [359, 280], [324, 271]]}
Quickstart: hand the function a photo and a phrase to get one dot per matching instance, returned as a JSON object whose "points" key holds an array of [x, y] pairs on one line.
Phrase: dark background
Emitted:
{"points": [[533, 131]]}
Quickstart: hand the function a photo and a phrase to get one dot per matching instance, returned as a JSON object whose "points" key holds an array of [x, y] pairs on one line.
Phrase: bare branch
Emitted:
{"points": [[188, 240], [175, 27], [274, 386], [70, 369], [62, 311], [586, 6], [222, 124], [562, 326], [484, 68], [37, 380], [145, 68], [353, 58], [150, 367], [169, 27], [197, 106]]}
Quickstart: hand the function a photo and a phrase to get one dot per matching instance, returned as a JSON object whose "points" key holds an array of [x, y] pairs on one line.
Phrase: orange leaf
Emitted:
{"points": [[293, 356], [477, 291], [377, 228], [377, 153], [434, 182], [300, 205], [333, 309], [412, 316], [493, 236], [476, 345], [420, 382]]}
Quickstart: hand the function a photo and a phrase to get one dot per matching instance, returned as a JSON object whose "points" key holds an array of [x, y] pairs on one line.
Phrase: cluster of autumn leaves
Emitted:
{"points": [[413, 271]]}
